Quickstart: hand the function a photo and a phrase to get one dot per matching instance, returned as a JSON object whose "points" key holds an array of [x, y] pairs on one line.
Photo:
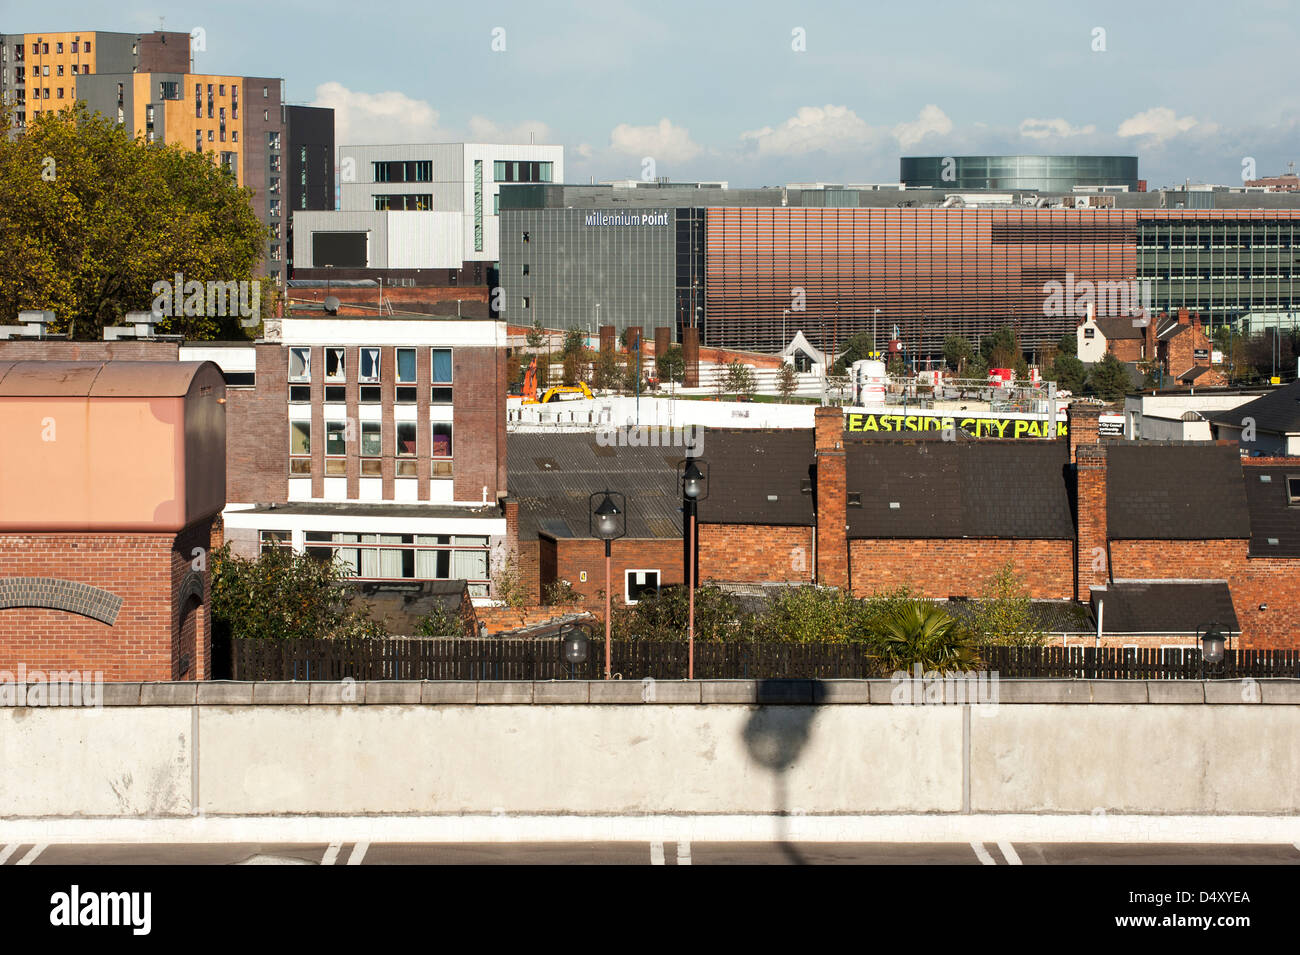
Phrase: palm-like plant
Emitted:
{"points": [[921, 633]]}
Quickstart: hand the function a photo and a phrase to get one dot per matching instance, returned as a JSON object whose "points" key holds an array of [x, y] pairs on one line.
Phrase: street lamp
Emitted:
{"points": [[875, 319], [1212, 647], [695, 488], [575, 645], [607, 520]]}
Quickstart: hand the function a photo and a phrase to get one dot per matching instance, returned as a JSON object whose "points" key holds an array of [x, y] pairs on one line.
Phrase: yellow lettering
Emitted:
{"points": [[855, 422], [870, 424], [1020, 428]]}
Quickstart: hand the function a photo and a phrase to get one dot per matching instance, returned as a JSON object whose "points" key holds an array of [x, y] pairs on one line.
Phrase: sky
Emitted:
{"points": [[764, 93]]}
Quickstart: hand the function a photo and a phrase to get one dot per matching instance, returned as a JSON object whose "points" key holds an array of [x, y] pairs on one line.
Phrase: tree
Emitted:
{"points": [[671, 365], [856, 348], [786, 382], [575, 343], [896, 367], [560, 592], [535, 335], [93, 217], [508, 587], [440, 622], [282, 596], [957, 352], [1069, 373], [812, 614], [920, 633], [605, 374], [1005, 613], [740, 379], [1068, 345], [662, 617], [1001, 346], [1109, 379]]}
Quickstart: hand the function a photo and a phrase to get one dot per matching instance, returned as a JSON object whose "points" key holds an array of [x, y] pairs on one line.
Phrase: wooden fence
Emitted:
{"points": [[524, 659]]}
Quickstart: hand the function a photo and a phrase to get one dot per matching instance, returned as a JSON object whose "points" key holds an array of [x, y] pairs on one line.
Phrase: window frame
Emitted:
{"points": [[415, 365], [299, 461], [627, 592], [341, 374], [377, 375], [306, 376]]}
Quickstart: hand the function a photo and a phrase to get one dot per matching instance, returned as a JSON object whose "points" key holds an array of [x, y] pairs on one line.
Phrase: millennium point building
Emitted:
{"points": [[750, 267], [1037, 173]]}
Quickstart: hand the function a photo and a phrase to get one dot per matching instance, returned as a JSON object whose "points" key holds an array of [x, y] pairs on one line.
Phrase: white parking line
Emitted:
{"points": [[7, 851], [358, 853], [656, 853], [683, 853], [982, 854], [331, 854], [32, 853], [1010, 853]]}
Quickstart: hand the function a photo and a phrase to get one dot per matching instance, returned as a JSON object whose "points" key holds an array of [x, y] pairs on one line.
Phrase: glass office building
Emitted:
{"points": [[1034, 173]]}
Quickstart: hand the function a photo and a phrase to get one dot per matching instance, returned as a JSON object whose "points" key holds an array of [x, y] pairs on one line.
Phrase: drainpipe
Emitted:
{"points": [[1101, 613]]}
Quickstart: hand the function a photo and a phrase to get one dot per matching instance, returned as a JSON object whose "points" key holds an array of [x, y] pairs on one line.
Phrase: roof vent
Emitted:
{"points": [[855, 499], [1266, 478], [894, 505], [771, 497], [1272, 541]]}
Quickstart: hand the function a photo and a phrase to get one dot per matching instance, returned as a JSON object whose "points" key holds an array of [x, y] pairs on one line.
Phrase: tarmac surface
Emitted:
{"points": [[667, 852]]}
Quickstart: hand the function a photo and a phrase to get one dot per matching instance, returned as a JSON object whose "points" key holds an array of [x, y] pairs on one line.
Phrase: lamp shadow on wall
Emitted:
{"points": [[775, 735]]}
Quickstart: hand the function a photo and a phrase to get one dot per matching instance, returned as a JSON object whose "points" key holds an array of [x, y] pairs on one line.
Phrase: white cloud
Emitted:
{"points": [[931, 119], [584, 150], [664, 142], [1160, 123], [483, 130], [812, 129], [368, 118], [1052, 128]]}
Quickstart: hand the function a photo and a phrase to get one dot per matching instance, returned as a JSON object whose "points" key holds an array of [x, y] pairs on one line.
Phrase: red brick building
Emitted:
{"points": [[108, 488]]}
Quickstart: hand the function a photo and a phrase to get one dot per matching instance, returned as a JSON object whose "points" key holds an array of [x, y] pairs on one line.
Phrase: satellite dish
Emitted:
{"points": [[332, 304]]}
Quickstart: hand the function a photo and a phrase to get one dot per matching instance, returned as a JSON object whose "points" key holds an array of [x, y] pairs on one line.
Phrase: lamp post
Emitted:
{"points": [[1212, 647], [695, 488], [607, 520], [575, 645], [875, 319]]}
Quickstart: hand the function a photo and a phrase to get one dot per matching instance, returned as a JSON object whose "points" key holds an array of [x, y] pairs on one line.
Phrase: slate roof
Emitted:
{"points": [[1114, 329], [996, 489], [552, 474], [1155, 607], [1271, 517], [1175, 492], [757, 476], [1278, 411]]}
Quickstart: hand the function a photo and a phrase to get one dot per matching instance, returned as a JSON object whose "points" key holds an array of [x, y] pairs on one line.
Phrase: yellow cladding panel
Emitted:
{"points": [[60, 55], [180, 124]]}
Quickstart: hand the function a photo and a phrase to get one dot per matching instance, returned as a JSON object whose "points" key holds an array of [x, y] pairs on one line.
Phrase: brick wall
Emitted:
{"points": [[691, 355], [572, 556], [478, 424], [1125, 349], [832, 517], [1091, 533], [31, 349], [146, 571], [755, 553], [961, 567], [257, 432]]}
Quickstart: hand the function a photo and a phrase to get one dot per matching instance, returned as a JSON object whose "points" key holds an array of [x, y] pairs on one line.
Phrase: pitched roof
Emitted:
{"points": [[1278, 411], [1114, 329], [1172, 607], [758, 476], [1175, 492], [552, 475], [946, 489], [1272, 519]]}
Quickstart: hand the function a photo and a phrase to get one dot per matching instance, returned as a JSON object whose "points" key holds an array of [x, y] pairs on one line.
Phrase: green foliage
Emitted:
{"points": [[508, 587], [812, 614], [535, 335], [976, 369], [605, 372], [560, 592], [920, 633], [671, 365], [896, 366], [1068, 345], [1000, 349], [1109, 379], [282, 595], [440, 622], [786, 382], [740, 379], [118, 215], [664, 617], [1004, 614], [575, 343], [1069, 373], [856, 347], [957, 352]]}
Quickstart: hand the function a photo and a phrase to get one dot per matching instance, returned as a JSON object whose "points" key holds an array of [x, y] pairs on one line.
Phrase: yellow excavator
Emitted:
{"points": [[561, 393]]}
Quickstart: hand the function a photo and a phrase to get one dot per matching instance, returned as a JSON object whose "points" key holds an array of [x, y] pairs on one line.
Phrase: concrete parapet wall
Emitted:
{"points": [[173, 751]]}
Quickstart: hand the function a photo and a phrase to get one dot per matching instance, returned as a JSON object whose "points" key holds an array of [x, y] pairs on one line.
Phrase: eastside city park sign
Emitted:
{"points": [[975, 424]]}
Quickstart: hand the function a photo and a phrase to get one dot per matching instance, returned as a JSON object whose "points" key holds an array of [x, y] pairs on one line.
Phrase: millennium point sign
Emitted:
{"points": [[977, 426]]}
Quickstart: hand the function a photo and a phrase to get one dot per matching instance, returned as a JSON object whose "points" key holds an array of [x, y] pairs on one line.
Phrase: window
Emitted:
{"points": [[369, 365], [336, 394], [406, 365], [640, 583], [1293, 488], [441, 362], [300, 364], [371, 446], [265, 92], [299, 447], [525, 236], [404, 395], [88, 50], [508, 171], [406, 556], [272, 140], [221, 89], [406, 448], [441, 446], [300, 394], [525, 268], [1089, 332], [334, 365], [58, 71], [524, 302], [336, 447], [371, 394], [58, 47], [440, 396], [271, 540], [211, 135], [404, 202], [414, 170]]}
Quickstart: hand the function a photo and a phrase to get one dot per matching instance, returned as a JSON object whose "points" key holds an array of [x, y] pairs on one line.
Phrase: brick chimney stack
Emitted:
{"points": [[1150, 330], [1183, 318], [1092, 553], [1084, 427], [832, 515], [691, 354]]}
